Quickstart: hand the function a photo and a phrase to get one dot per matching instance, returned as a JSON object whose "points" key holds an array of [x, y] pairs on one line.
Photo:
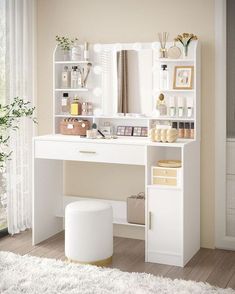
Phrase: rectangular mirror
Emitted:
{"points": [[134, 81]]}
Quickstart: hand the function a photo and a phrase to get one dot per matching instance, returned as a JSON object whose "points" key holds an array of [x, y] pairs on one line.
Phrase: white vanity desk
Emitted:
{"points": [[172, 224], [172, 231]]}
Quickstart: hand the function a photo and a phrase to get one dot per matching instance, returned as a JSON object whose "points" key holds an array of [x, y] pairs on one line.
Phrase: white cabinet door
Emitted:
{"points": [[165, 226]]}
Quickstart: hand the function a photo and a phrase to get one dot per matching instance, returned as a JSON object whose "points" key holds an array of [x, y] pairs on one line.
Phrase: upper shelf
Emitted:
{"points": [[73, 62], [176, 90], [72, 90], [180, 60]]}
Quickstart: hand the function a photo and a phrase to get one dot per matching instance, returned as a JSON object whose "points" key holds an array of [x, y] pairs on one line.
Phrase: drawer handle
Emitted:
{"points": [[150, 220], [87, 152]]}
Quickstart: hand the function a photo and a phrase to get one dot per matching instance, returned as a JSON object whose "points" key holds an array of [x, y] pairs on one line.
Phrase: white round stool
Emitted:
{"points": [[89, 232]]}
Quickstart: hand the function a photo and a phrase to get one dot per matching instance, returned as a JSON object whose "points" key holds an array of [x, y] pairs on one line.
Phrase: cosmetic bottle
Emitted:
{"points": [[80, 78], [75, 108], [181, 106], [65, 103], [181, 130], [164, 77], [172, 107], [161, 105], [187, 130], [174, 125], [76, 52], [189, 107], [65, 78], [74, 77], [192, 131], [86, 51]]}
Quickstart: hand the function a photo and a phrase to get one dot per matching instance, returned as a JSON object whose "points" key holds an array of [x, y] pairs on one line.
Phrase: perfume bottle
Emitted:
{"points": [[161, 105], [65, 78], [76, 106], [164, 77], [65, 103], [74, 77]]}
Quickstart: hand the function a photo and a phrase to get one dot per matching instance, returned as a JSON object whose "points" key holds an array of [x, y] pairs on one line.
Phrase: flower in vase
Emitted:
{"points": [[185, 40]]}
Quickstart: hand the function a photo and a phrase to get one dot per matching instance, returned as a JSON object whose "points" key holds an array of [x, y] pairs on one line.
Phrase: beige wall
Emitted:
{"points": [[129, 21]]}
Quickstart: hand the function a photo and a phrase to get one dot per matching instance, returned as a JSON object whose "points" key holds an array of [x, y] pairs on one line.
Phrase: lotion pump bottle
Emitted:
{"points": [[181, 106], [172, 108], [164, 77], [86, 51]]}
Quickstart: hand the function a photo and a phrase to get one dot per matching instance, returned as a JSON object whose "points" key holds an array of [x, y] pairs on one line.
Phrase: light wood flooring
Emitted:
{"points": [[216, 267]]}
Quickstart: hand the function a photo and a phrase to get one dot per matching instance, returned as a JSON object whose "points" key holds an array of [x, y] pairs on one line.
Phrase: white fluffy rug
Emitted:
{"points": [[30, 275]]}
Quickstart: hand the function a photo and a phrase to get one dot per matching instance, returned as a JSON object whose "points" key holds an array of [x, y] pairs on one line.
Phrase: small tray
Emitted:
{"points": [[169, 163]]}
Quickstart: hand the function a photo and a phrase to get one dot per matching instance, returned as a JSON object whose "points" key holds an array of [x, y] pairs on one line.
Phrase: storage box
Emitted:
{"points": [[136, 209], [73, 126]]}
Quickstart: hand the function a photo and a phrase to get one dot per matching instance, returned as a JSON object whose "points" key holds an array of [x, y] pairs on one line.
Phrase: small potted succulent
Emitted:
{"points": [[185, 40], [65, 44]]}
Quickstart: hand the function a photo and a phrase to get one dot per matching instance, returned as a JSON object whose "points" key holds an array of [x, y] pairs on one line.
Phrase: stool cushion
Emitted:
{"points": [[88, 231]]}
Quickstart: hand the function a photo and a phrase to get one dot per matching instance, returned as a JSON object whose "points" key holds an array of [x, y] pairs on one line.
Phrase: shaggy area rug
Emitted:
{"points": [[30, 275]]}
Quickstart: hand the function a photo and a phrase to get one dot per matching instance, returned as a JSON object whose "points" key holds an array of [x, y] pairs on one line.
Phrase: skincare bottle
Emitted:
{"points": [[65, 78], [76, 52], [192, 131], [186, 130], [75, 108], [181, 130], [189, 107], [65, 103], [164, 77], [172, 108], [74, 77], [86, 51], [79, 85], [161, 105], [180, 106], [174, 125]]}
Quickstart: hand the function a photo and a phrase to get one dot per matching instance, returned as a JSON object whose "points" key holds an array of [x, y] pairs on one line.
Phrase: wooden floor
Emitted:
{"points": [[216, 267]]}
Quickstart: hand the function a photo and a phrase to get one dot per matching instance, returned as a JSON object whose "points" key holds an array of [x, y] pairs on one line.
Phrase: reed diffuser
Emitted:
{"points": [[163, 39]]}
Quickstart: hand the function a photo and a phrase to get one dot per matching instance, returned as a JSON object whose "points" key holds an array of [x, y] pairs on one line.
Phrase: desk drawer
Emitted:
{"points": [[165, 181], [91, 152], [164, 172]]}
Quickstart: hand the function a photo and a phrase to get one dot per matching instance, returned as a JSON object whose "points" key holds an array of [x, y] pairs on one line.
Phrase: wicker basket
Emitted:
{"points": [[74, 127]]}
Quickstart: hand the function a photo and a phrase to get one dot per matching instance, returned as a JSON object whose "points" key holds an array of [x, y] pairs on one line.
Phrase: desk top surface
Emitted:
{"points": [[118, 141]]}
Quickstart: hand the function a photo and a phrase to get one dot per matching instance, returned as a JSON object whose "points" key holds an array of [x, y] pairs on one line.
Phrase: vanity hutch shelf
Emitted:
{"points": [[172, 224]]}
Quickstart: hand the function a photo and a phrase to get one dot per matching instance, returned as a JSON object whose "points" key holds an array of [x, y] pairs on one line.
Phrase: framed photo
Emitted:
{"points": [[183, 77]]}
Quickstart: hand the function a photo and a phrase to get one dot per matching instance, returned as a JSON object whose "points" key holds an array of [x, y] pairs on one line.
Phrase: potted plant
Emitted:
{"points": [[65, 44], [10, 115]]}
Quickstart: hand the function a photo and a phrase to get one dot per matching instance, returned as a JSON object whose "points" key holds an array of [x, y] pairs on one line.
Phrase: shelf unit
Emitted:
{"points": [[105, 103]]}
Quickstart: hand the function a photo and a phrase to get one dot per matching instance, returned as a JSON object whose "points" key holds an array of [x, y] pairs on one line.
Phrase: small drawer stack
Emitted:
{"points": [[166, 176]]}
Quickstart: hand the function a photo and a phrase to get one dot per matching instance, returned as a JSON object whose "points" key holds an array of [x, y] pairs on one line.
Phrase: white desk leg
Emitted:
{"points": [[47, 194]]}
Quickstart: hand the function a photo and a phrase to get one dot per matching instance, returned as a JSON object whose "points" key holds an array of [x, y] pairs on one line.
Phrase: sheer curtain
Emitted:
{"points": [[20, 77]]}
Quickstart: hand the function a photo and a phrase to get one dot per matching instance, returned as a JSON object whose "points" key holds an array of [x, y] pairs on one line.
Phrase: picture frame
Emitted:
{"points": [[183, 77]]}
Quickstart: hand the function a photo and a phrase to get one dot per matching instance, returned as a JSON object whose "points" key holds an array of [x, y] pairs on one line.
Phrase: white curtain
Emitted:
{"points": [[20, 17]]}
